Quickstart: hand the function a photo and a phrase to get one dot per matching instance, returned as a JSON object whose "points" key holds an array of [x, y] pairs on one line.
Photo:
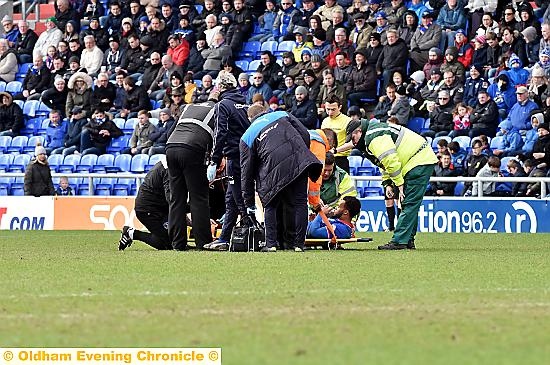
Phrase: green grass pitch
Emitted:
{"points": [[458, 299]]}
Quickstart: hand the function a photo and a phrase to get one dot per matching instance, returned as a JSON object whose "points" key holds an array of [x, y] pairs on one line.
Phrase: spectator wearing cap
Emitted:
{"points": [[435, 60], [196, 60], [517, 74], [374, 49], [312, 83], [283, 25], [202, 93], [56, 97], [112, 58], [259, 86], [538, 86], [320, 45], [50, 36], [185, 31], [473, 85], [187, 7], [214, 55], [100, 35], [451, 18], [541, 153], [304, 108], [159, 136], [544, 61], [103, 94], [266, 21], [426, 37], [64, 12], [302, 66], [362, 79], [113, 20], [393, 57], [127, 29], [136, 99], [464, 47], [92, 56], [341, 44], [520, 114], [38, 177], [325, 12], [395, 11], [318, 65], [382, 26], [25, 42], [300, 44], [479, 57], [373, 7], [11, 31], [418, 7], [441, 116], [329, 87], [361, 32], [243, 84]]}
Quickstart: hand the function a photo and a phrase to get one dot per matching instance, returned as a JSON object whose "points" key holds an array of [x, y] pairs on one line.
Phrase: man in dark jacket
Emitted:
{"points": [[187, 152], [11, 116], [77, 121], [270, 69], [443, 169], [36, 81], [474, 162], [25, 42], [441, 116], [38, 177], [160, 135], [304, 109], [151, 209], [56, 97], [97, 134], [100, 35], [103, 95], [393, 57], [134, 59], [136, 99], [484, 117], [280, 172], [231, 123]]}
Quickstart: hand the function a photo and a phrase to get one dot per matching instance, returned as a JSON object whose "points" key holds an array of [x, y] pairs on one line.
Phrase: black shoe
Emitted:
{"points": [[411, 246], [392, 246], [125, 240]]}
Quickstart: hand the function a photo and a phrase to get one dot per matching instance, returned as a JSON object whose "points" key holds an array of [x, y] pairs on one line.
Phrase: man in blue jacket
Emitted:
{"points": [[275, 157]]}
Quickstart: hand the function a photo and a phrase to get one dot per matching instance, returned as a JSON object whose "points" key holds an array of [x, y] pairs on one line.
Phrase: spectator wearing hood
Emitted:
{"points": [[517, 74], [426, 37], [304, 108], [11, 116], [452, 64], [531, 137], [532, 45], [232, 36], [312, 84], [512, 141], [408, 26], [503, 93], [361, 32], [418, 7], [527, 19], [544, 61], [301, 44], [362, 80], [394, 56], [8, 62], [80, 93], [538, 87]]}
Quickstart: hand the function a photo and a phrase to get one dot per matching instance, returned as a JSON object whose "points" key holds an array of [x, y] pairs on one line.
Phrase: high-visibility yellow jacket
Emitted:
{"points": [[319, 146], [339, 185], [395, 149]]}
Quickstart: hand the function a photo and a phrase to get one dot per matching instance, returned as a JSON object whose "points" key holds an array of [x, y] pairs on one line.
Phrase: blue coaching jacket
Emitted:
{"points": [[274, 152]]}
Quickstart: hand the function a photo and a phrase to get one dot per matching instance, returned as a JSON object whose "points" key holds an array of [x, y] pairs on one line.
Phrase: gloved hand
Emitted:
{"points": [[211, 172], [251, 210]]}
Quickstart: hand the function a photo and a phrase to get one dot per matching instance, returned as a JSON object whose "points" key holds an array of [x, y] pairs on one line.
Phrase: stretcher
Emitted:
{"points": [[324, 243]]}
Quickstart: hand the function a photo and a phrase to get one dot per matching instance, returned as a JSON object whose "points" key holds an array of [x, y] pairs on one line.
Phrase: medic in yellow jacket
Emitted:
{"points": [[408, 161]]}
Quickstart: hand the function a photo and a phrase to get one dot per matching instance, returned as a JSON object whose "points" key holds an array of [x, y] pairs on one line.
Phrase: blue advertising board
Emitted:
{"points": [[465, 215]]}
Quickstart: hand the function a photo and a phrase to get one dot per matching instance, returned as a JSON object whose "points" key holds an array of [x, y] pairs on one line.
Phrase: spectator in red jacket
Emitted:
{"points": [[178, 49]]}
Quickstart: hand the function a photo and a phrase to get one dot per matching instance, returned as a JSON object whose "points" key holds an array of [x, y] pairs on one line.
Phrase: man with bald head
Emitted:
{"points": [[162, 81]]}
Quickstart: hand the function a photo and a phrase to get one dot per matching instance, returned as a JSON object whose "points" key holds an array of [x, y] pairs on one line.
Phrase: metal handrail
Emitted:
{"points": [[26, 11]]}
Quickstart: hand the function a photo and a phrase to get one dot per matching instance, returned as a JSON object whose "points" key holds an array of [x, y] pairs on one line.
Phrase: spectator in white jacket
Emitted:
{"points": [[50, 37], [8, 62], [91, 57], [491, 169]]}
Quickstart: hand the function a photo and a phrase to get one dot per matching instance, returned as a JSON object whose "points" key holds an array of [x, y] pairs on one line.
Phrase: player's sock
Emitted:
{"points": [[391, 217]]}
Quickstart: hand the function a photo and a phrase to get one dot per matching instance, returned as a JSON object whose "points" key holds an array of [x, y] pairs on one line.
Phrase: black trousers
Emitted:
{"points": [[188, 180], [155, 222], [234, 203]]}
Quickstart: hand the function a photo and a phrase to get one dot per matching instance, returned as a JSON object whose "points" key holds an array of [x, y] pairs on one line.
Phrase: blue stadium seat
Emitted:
{"points": [[463, 141], [14, 87], [19, 163], [199, 8], [17, 189], [426, 126], [31, 143], [32, 127], [250, 49], [253, 65], [458, 188], [84, 189], [4, 190], [17, 144], [354, 163], [153, 161], [243, 64], [375, 188], [361, 185], [5, 142], [43, 110], [138, 163], [54, 161], [103, 189], [21, 103], [2, 86], [123, 187], [368, 168], [6, 182], [416, 124], [119, 122], [103, 161], [22, 72], [197, 82], [69, 164], [269, 46], [436, 139], [504, 162], [5, 161], [29, 108], [41, 130], [122, 162], [87, 163], [118, 144], [285, 46]]}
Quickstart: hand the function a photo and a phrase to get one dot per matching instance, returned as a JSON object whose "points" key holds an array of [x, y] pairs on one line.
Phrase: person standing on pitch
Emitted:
{"points": [[187, 154], [151, 209], [231, 123], [408, 161], [275, 157]]}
